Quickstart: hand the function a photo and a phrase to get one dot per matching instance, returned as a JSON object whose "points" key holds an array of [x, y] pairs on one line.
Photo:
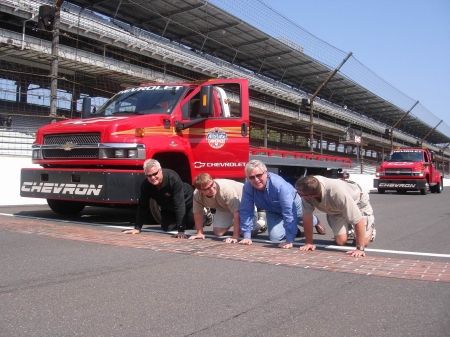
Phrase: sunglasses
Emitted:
{"points": [[256, 176], [207, 188], [152, 175]]}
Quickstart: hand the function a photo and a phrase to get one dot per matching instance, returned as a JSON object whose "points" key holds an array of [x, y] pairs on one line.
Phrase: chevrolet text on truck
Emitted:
{"points": [[409, 169], [190, 128]]}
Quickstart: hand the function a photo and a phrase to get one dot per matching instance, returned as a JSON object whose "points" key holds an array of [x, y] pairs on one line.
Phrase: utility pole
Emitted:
{"points": [[443, 157], [311, 102], [429, 133], [398, 122], [55, 55]]}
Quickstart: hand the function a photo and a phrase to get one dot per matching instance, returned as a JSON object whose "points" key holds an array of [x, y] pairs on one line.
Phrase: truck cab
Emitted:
{"points": [[97, 160], [409, 169]]}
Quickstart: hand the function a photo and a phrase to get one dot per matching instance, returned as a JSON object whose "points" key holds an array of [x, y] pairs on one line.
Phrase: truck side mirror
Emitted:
{"points": [[86, 108], [206, 101]]}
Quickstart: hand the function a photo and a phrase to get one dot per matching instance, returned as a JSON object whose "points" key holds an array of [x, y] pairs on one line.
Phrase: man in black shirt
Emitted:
{"points": [[172, 195]]}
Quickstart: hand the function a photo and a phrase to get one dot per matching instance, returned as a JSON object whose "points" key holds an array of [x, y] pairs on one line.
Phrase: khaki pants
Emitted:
{"points": [[339, 224]]}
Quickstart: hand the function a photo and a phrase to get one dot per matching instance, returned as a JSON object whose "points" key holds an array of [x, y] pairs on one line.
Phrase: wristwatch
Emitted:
{"points": [[360, 248]]}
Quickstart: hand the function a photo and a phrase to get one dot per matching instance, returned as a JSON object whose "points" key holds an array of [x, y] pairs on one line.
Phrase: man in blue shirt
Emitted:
{"points": [[283, 206]]}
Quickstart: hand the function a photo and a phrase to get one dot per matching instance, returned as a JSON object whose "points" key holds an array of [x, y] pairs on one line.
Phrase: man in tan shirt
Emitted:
{"points": [[224, 196], [347, 207]]}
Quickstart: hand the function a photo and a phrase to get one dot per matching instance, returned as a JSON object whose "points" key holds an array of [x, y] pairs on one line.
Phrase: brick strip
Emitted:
{"points": [[211, 248]]}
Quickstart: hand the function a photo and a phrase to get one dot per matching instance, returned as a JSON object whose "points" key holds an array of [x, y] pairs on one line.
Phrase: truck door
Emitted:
{"points": [[428, 166], [220, 140]]}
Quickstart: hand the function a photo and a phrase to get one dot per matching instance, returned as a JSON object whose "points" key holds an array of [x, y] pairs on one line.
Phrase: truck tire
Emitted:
{"points": [[381, 191], [439, 187], [155, 210], [65, 207]]}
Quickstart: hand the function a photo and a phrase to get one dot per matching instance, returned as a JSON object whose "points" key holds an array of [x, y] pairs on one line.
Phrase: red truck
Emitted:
{"points": [[188, 127], [409, 169]]}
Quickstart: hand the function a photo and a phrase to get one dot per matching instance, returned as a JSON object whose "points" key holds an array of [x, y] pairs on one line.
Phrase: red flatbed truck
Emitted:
{"points": [[188, 127], [409, 169]]}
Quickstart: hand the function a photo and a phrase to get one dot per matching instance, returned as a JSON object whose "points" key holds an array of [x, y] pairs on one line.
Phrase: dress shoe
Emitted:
{"points": [[320, 229]]}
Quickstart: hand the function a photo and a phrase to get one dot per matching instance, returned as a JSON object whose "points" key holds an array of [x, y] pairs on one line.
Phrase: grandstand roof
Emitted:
{"points": [[208, 29]]}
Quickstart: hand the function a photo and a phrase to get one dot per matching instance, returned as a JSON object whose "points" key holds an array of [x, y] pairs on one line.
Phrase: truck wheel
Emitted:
{"points": [[155, 210], [439, 187], [65, 207], [381, 191]]}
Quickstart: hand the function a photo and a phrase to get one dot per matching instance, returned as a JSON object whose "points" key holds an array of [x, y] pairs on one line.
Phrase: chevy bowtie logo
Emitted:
{"points": [[68, 146]]}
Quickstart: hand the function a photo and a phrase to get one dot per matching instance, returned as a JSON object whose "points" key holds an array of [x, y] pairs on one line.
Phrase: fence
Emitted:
{"points": [[16, 141]]}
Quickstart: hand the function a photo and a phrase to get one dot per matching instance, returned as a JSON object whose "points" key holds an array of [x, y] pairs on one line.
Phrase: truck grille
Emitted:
{"points": [[77, 153], [71, 146], [76, 138], [399, 172]]}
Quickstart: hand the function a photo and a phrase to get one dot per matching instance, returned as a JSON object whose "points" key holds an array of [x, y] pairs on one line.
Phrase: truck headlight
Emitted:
{"points": [[35, 154], [132, 153], [119, 153], [417, 174], [380, 173]]}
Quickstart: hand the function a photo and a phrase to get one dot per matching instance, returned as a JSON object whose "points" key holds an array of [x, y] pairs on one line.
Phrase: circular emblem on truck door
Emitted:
{"points": [[216, 138]]}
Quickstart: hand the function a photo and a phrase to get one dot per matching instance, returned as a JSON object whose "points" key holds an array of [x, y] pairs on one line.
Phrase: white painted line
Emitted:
{"points": [[333, 247], [347, 248]]}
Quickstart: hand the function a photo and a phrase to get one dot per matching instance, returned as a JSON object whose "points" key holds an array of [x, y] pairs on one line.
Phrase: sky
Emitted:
{"points": [[405, 42]]}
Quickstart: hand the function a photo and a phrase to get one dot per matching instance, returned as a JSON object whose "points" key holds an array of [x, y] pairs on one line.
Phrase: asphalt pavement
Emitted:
{"points": [[80, 276]]}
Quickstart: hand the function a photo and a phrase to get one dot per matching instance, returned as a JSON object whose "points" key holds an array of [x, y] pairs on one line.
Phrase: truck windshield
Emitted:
{"points": [[413, 156], [158, 99]]}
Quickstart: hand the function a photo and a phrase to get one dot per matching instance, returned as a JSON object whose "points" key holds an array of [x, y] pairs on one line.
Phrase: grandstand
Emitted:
{"points": [[106, 47], [13, 143]]}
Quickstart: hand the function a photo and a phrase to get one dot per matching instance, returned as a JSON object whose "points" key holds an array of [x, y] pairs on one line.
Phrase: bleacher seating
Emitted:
{"points": [[14, 143], [17, 140], [30, 124]]}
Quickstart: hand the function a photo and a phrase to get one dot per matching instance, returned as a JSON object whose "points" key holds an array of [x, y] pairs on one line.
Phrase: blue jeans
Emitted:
{"points": [[275, 223]]}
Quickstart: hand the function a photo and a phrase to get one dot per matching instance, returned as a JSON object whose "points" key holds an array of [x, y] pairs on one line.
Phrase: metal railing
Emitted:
{"points": [[16, 142]]}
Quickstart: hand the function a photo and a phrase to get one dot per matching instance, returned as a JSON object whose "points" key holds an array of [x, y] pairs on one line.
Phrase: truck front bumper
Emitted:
{"points": [[93, 186], [400, 184]]}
